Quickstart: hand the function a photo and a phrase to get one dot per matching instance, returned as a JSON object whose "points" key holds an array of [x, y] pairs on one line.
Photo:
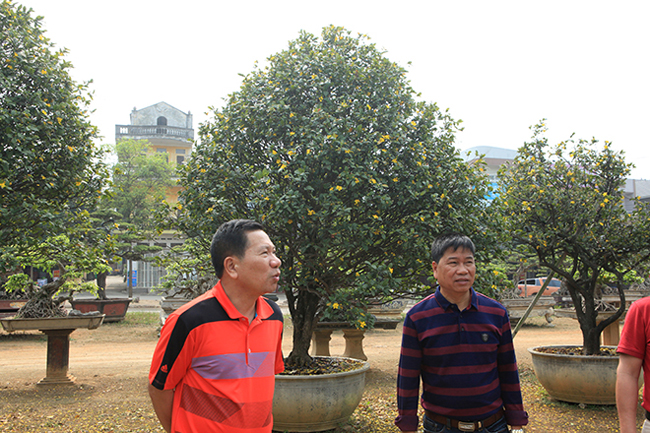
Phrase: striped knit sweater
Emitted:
{"points": [[466, 361]]}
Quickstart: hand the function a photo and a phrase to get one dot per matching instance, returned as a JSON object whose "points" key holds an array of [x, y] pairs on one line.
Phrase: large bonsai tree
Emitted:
{"points": [[50, 170], [327, 146], [565, 203]]}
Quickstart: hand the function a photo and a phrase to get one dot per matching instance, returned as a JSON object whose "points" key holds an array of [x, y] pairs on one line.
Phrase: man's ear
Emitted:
{"points": [[230, 266], [434, 266]]}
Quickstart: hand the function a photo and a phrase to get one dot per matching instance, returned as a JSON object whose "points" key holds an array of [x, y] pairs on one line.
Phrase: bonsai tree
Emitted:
{"points": [[50, 169], [127, 239], [565, 203], [71, 258], [189, 270], [352, 177]]}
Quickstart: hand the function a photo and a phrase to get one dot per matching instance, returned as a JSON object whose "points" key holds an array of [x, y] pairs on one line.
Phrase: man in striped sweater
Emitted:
{"points": [[460, 343]]}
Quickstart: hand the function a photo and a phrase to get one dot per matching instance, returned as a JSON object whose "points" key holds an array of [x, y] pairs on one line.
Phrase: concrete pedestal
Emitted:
{"points": [[320, 342], [58, 358], [354, 344]]}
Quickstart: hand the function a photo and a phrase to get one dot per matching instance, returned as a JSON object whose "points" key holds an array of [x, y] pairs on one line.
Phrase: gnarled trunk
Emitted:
{"points": [[588, 319], [304, 318], [41, 304]]}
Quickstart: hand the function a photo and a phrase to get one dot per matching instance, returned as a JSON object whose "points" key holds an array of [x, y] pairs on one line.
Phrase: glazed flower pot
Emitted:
{"points": [[577, 378], [114, 309], [9, 307], [313, 403]]}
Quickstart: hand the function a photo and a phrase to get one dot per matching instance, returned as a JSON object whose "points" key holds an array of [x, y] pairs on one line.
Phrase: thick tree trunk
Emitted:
{"points": [[591, 329], [304, 320], [590, 334], [41, 304], [101, 283]]}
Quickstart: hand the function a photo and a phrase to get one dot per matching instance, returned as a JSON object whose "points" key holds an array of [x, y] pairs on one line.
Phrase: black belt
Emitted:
{"points": [[647, 415], [465, 425]]}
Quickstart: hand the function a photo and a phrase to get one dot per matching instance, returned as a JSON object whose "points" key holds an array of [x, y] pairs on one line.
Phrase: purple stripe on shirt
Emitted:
{"points": [[233, 366]]}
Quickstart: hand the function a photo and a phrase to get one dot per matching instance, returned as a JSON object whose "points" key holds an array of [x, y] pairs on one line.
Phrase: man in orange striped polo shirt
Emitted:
{"points": [[214, 367]]}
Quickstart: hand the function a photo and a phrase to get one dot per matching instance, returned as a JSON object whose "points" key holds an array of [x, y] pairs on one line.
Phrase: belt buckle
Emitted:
{"points": [[466, 426]]}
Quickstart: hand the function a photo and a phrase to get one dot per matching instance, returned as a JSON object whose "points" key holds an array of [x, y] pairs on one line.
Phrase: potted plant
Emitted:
{"points": [[44, 310], [100, 241], [189, 274], [113, 239], [351, 179], [565, 203]]}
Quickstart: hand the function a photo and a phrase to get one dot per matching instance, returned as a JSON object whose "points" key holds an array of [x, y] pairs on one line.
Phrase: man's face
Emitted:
{"points": [[455, 271], [259, 269]]}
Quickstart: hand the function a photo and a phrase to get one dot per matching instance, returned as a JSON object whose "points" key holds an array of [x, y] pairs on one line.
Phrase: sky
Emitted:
{"points": [[499, 66]]}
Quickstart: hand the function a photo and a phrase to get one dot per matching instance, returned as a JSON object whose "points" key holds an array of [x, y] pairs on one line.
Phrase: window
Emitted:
{"points": [[162, 121], [180, 156]]}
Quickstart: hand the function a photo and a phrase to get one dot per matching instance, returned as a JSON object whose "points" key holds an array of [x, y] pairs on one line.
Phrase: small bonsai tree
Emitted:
{"points": [[352, 177], [189, 271], [71, 258], [565, 203]]}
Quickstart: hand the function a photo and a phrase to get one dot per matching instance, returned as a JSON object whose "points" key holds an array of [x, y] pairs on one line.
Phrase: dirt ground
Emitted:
{"points": [[111, 366]]}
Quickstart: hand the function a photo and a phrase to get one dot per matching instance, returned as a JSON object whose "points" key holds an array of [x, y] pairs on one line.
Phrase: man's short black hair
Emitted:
{"points": [[229, 240], [452, 240]]}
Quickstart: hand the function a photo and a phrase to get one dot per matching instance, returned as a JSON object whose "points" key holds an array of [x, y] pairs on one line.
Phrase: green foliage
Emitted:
{"points": [[140, 180], [565, 203], [327, 146], [346, 306], [71, 257], [189, 271], [492, 278], [50, 170]]}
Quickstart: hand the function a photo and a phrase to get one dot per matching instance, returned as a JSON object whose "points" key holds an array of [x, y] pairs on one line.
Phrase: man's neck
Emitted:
{"points": [[243, 302], [462, 301]]}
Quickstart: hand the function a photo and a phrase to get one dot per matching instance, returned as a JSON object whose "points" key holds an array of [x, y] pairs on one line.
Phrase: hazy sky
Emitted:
{"points": [[500, 66]]}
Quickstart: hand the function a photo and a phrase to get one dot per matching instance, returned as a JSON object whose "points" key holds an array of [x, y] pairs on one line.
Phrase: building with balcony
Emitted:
{"points": [[167, 129]]}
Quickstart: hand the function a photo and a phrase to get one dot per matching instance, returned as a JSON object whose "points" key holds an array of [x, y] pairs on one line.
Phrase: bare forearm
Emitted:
{"points": [[627, 395], [162, 402], [627, 392]]}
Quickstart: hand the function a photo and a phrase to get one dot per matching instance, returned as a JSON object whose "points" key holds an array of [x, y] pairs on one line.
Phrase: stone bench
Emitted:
{"points": [[353, 337]]}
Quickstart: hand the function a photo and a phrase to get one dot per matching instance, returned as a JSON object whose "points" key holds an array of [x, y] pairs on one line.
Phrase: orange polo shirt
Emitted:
{"points": [[221, 366]]}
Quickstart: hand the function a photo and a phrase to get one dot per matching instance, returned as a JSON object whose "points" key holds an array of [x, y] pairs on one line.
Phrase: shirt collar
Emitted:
{"points": [[263, 309], [444, 303]]}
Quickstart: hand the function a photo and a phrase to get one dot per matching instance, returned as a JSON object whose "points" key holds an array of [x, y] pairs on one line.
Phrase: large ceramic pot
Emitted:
{"points": [[319, 402], [577, 378], [114, 309], [169, 305]]}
